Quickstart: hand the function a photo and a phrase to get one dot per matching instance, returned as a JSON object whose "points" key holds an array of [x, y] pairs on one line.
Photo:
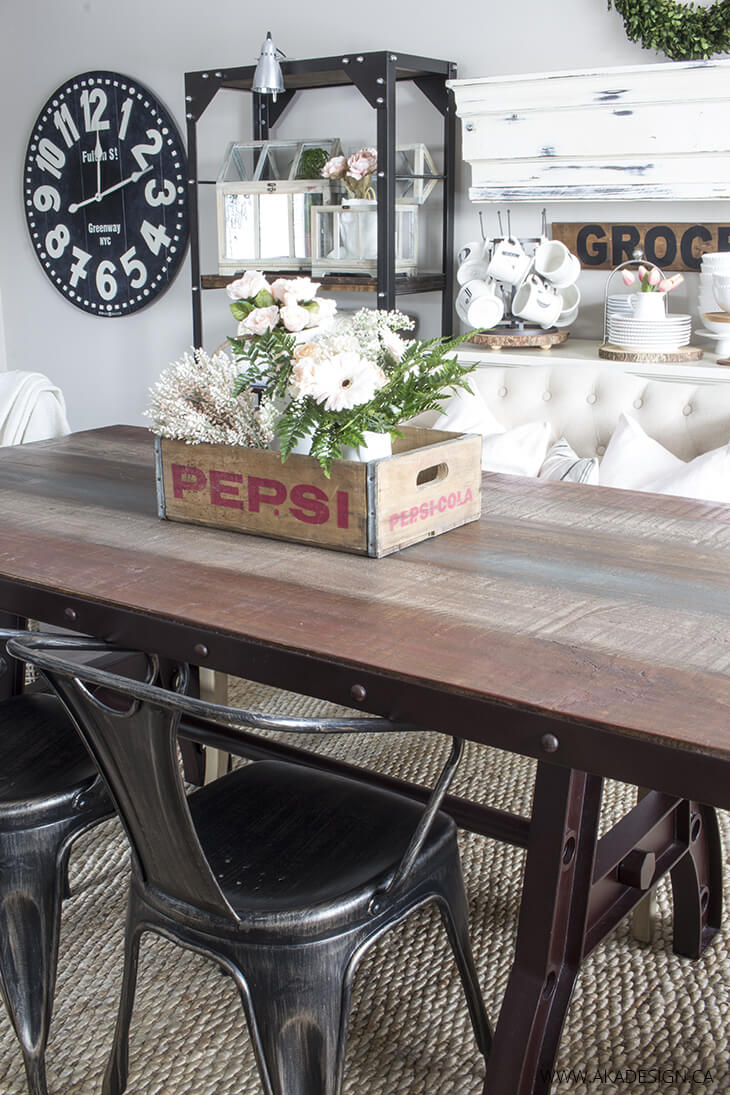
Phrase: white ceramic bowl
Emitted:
{"points": [[721, 291]]}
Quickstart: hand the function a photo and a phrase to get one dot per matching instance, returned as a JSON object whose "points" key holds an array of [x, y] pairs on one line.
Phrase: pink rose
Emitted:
{"points": [[334, 168], [259, 321], [296, 290], [247, 286], [362, 163], [294, 318]]}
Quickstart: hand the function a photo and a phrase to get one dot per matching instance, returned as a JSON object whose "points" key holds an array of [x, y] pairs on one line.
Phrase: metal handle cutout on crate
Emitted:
{"points": [[434, 474]]}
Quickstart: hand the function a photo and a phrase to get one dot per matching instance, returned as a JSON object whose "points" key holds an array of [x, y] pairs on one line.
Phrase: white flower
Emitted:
{"points": [[247, 286], [362, 163], [294, 318], [303, 380], [393, 343], [326, 308], [347, 380], [300, 289], [259, 321]]}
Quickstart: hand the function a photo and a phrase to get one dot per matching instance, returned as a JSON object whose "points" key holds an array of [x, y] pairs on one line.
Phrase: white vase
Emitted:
{"points": [[377, 445], [651, 306], [359, 229]]}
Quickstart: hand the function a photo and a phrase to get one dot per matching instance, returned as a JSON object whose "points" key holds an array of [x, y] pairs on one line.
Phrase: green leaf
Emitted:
{"points": [[241, 308]]}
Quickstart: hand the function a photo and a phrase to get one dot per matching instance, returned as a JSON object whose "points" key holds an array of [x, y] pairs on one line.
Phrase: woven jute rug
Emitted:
{"points": [[641, 1019]]}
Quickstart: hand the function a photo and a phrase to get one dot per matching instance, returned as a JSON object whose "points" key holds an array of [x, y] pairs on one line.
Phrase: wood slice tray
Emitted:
{"points": [[543, 340], [680, 355]]}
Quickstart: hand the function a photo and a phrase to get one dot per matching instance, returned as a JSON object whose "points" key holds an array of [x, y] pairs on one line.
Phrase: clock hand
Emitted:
{"points": [[97, 153], [75, 206]]}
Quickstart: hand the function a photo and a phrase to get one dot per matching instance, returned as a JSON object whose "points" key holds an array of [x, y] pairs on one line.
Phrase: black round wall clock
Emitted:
{"points": [[105, 193]]}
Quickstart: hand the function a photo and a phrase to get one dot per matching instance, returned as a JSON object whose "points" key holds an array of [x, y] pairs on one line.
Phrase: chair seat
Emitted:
{"points": [[282, 838], [41, 756]]}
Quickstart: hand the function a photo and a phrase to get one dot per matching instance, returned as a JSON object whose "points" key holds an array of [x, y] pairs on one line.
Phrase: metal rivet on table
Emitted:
{"points": [[358, 692], [70, 613], [201, 650], [549, 743]]}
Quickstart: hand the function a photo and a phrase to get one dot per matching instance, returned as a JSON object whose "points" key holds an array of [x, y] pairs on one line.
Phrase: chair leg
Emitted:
{"points": [[297, 1009], [117, 1069], [455, 915], [31, 879]]}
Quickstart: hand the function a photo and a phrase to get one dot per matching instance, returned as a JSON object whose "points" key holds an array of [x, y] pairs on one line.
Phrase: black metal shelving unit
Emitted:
{"points": [[375, 76]]}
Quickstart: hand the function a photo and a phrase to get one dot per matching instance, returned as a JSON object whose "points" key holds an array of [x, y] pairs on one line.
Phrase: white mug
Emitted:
{"points": [[509, 263], [570, 297], [486, 309], [537, 302], [467, 294], [555, 263], [471, 252]]}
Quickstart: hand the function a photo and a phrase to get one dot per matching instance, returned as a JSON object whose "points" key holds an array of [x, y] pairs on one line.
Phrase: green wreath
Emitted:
{"points": [[682, 31]]}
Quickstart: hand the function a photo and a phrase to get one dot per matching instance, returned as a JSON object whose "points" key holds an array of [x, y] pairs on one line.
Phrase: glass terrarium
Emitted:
{"points": [[415, 173], [265, 194], [345, 237]]}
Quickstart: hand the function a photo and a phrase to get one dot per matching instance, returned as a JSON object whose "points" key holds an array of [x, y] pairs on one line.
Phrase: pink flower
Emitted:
{"points": [[654, 276], [334, 168], [362, 163], [297, 290], [326, 308], [628, 277], [667, 284], [641, 272], [259, 320], [247, 286], [393, 343], [293, 317]]}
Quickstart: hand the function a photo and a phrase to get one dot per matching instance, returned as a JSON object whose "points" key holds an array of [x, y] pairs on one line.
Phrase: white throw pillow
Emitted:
{"points": [[640, 463], [563, 462], [633, 459], [518, 451]]}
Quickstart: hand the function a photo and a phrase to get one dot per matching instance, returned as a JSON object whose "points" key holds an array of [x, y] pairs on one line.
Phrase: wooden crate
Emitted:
{"points": [[431, 483]]}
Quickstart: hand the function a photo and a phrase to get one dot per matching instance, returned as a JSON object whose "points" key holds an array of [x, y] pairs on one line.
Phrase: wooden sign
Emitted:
{"points": [[670, 246]]}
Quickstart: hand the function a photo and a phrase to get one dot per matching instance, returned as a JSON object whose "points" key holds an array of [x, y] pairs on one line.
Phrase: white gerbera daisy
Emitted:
{"points": [[347, 380]]}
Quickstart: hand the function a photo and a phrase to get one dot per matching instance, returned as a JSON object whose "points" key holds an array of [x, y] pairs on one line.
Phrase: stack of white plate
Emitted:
{"points": [[618, 304], [713, 262], [646, 334]]}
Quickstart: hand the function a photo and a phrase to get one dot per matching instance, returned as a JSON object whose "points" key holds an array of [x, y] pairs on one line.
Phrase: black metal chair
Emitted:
{"points": [[50, 793], [282, 873]]}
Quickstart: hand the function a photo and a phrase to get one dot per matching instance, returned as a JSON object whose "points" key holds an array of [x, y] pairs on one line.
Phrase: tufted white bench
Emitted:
{"points": [[583, 402]]}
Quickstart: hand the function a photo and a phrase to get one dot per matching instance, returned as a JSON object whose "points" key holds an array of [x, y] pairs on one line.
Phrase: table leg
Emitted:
{"points": [[697, 884], [11, 671], [551, 931]]}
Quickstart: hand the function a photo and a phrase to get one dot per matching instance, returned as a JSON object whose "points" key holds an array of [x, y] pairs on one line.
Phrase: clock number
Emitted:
{"points": [[155, 238], [50, 157], [78, 268], [46, 198], [165, 197], [96, 98], [125, 112], [105, 283], [65, 125], [141, 151], [57, 240], [133, 266]]}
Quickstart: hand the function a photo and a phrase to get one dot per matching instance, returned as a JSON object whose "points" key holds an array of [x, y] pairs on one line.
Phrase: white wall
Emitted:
{"points": [[105, 366]]}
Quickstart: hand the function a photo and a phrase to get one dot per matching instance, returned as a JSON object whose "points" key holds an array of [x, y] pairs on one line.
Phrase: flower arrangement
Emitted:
{"points": [[355, 171], [651, 280], [286, 303], [362, 377], [195, 401]]}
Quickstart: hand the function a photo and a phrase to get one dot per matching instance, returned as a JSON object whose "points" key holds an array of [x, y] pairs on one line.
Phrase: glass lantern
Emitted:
{"points": [[265, 194], [415, 173], [345, 238]]}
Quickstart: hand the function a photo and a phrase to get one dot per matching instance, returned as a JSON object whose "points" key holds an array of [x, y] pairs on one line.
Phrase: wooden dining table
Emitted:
{"points": [[582, 626]]}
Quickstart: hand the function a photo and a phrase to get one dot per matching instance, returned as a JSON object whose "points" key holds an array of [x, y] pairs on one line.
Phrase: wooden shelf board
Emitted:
{"points": [[342, 283]]}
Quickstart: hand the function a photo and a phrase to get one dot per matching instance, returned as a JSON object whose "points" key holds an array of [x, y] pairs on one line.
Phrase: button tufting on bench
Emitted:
{"points": [[591, 398]]}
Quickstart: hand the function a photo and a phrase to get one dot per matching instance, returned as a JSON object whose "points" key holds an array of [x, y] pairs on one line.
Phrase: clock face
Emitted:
{"points": [[105, 193]]}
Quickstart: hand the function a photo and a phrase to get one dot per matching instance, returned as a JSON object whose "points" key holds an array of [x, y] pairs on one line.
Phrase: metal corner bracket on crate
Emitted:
{"points": [[431, 483]]}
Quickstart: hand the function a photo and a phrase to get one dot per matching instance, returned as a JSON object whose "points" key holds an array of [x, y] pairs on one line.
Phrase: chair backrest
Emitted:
{"points": [[134, 745], [130, 728]]}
